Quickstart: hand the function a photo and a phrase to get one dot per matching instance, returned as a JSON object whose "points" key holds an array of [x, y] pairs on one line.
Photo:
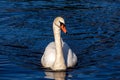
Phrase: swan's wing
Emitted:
{"points": [[69, 55], [48, 57]]}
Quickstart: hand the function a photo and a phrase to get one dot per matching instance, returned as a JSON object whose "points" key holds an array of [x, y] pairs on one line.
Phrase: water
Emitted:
{"points": [[94, 35]]}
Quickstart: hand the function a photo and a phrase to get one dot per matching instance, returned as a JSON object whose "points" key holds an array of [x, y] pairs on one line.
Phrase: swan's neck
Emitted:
{"points": [[59, 61]]}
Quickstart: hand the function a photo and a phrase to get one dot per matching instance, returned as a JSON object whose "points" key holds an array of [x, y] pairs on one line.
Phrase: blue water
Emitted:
{"points": [[94, 35]]}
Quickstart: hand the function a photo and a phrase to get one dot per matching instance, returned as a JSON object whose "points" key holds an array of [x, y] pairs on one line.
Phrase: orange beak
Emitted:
{"points": [[63, 28]]}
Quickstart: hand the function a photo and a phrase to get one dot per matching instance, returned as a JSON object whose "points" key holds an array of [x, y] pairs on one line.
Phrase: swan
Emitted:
{"points": [[58, 55]]}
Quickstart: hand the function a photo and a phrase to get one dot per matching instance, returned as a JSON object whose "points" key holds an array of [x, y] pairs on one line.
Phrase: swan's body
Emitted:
{"points": [[58, 55]]}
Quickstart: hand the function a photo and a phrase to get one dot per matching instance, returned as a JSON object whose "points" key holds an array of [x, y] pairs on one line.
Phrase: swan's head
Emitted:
{"points": [[60, 24]]}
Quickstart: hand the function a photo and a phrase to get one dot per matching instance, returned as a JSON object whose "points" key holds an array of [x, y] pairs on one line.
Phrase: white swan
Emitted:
{"points": [[58, 55]]}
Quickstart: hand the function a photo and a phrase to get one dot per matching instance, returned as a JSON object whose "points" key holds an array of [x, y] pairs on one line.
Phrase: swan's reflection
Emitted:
{"points": [[56, 75]]}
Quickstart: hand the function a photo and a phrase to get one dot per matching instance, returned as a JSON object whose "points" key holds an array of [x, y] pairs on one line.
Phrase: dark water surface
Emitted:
{"points": [[94, 35]]}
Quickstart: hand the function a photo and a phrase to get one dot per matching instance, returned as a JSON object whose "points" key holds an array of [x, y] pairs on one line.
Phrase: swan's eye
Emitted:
{"points": [[61, 23]]}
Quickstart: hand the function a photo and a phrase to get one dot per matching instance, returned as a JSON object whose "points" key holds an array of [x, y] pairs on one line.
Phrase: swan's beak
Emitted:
{"points": [[63, 28]]}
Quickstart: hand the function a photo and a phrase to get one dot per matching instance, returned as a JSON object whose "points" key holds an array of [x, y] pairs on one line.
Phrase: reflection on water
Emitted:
{"points": [[94, 35], [55, 75]]}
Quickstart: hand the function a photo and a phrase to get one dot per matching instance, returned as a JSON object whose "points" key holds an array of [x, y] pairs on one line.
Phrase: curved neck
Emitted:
{"points": [[59, 61]]}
